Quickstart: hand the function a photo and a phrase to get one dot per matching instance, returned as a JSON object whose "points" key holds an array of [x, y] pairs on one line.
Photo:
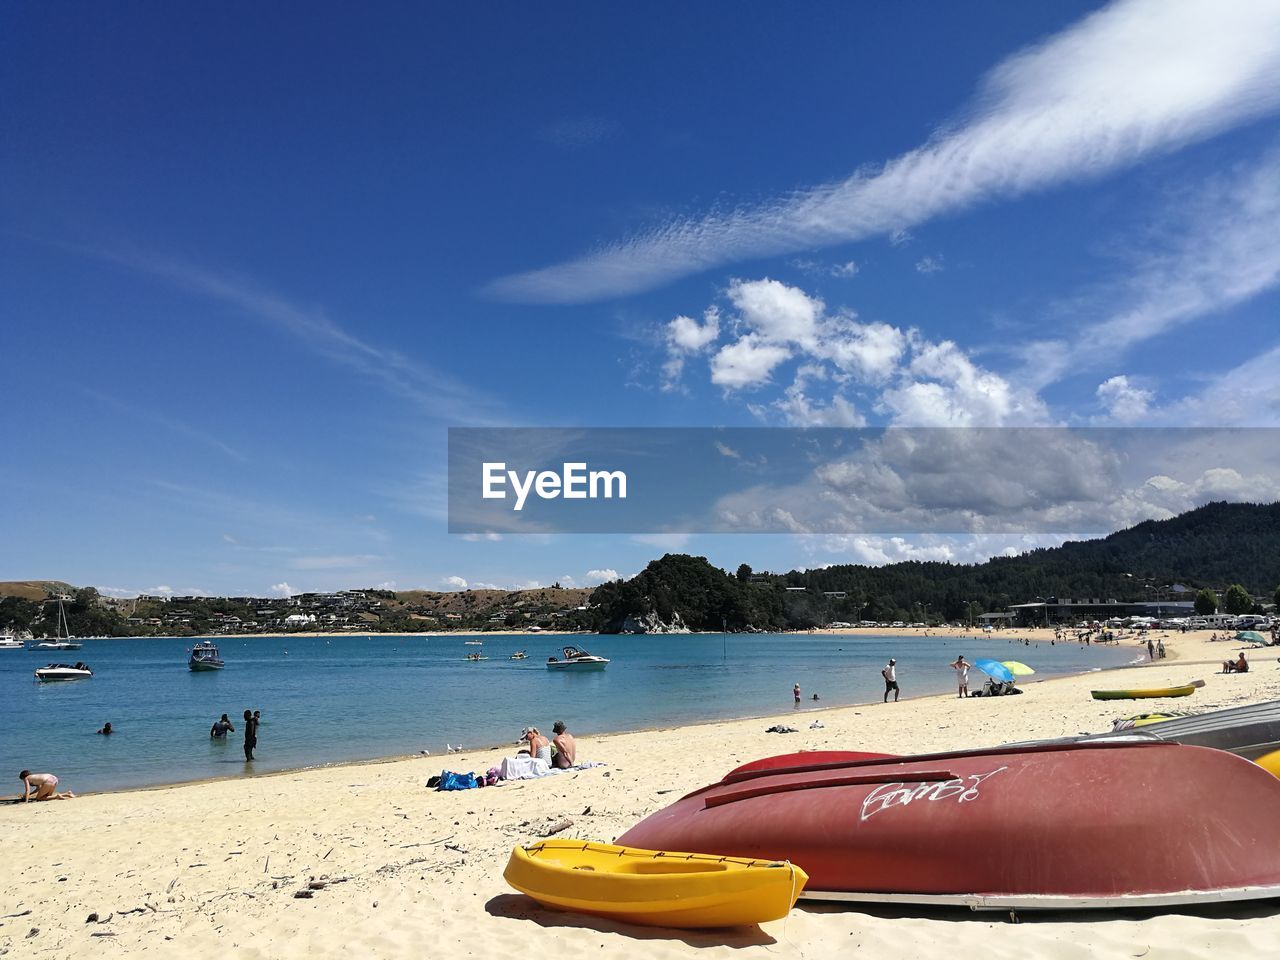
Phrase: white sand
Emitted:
{"points": [[210, 869]]}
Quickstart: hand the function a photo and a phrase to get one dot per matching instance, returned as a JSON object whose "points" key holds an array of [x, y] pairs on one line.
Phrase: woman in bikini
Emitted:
{"points": [[45, 786]]}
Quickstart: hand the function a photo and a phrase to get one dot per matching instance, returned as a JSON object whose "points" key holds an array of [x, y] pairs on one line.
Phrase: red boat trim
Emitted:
{"points": [[767, 789], [924, 757]]}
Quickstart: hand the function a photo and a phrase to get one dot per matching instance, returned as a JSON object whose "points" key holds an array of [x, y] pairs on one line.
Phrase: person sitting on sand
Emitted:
{"points": [[106, 729], [45, 786], [538, 745], [566, 747], [1242, 665]]}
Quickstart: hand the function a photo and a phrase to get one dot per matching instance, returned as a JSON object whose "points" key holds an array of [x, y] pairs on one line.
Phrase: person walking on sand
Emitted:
{"points": [[890, 674], [1151, 649], [962, 674], [796, 692], [1160, 648], [250, 734], [44, 785]]}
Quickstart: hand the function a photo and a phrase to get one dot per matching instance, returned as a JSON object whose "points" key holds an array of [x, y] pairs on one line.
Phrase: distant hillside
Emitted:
{"points": [[1213, 546], [33, 589]]}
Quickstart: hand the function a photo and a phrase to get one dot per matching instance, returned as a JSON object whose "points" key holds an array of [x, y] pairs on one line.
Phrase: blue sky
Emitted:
{"points": [[254, 262]]}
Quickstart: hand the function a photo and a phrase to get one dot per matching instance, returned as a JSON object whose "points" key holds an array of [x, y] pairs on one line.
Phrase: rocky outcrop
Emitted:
{"points": [[649, 623]]}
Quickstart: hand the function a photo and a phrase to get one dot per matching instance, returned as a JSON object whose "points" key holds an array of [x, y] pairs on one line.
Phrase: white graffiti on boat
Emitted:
{"points": [[888, 795]]}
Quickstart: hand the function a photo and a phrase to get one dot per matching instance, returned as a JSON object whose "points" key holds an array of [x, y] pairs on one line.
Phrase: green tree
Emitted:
{"points": [[1237, 600], [1206, 602], [744, 572]]}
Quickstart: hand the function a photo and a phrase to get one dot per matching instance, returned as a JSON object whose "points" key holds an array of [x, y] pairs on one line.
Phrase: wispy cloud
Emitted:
{"points": [[1221, 248], [1139, 77], [172, 424], [435, 392]]}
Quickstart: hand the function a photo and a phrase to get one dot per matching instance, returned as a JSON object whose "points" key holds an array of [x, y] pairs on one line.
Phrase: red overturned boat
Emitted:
{"points": [[1052, 825]]}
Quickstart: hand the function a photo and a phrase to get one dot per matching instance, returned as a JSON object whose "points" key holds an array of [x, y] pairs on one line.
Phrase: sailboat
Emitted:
{"points": [[64, 640]]}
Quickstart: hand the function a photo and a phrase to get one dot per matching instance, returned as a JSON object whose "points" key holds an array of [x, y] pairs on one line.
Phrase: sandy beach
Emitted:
{"points": [[211, 869]]}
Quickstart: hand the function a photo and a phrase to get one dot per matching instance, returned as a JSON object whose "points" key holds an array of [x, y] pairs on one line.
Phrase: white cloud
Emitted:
{"points": [[746, 363], [282, 589], [929, 264], [454, 583], [777, 312], [868, 351], [847, 269], [488, 537], [1124, 402], [685, 336], [1136, 78], [604, 575]]}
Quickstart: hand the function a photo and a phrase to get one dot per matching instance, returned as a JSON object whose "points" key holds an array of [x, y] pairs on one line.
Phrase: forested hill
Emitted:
{"points": [[1212, 546]]}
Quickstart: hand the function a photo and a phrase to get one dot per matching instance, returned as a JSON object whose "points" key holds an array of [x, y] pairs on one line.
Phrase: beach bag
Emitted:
{"points": [[457, 781]]}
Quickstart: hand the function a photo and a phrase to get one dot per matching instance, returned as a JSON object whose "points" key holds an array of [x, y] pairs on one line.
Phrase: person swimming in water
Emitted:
{"points": [[106, 729]]}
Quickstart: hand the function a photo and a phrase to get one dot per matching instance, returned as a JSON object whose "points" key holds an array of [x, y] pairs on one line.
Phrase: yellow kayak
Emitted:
{"points": [[1183, 691], [655, 888]]}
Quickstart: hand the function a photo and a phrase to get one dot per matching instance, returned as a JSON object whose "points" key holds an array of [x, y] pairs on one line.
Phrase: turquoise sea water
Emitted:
{"points": [[325, 700]]}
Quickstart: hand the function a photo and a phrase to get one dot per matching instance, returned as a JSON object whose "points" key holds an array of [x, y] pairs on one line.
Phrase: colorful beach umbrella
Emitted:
{"points": [[995, 669], [1018, 669], [1252, 636]]}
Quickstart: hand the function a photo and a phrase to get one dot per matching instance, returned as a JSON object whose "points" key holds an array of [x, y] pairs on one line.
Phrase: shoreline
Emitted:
{"points": [[605, 735]]}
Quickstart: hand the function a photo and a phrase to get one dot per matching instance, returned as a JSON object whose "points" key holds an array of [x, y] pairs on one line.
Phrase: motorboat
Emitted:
{"points": [[205, 656], [1119, 823], [473, 643], [11, 641], [58, 645], [520, 655], [576, 659], [475, 657], [63, 671]]}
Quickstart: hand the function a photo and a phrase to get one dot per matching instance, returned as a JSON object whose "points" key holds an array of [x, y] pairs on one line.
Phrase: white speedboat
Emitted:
{"points": [[519, 655], [63, 671], [58, 645], [575, 659], [473, 643], [9, 641]]}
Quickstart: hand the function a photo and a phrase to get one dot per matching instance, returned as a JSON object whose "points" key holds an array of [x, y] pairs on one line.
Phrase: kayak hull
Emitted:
{"points": [[654, 888], [1053, 825], [1150, 694]]}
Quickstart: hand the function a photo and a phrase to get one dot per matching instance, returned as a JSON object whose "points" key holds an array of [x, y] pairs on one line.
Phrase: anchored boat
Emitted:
{"points": [[685, 890], [205, 656], [1056, 825], [576, 659], [63, 671]]}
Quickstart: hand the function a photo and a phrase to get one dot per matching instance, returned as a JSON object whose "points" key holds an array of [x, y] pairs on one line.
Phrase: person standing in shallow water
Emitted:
{"points": [[796, 692], [250, 734]]}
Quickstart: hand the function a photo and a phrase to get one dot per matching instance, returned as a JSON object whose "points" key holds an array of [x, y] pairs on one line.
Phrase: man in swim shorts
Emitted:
{"points": [[962, 674], [890, 674]]}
